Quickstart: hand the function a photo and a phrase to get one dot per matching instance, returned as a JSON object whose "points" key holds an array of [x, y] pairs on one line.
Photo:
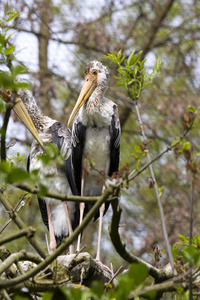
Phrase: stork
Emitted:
{"points": [[60, 218], [96, 136]]}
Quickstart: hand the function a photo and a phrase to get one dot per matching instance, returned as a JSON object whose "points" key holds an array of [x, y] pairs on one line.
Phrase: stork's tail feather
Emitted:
{"points": [[59, 239]]}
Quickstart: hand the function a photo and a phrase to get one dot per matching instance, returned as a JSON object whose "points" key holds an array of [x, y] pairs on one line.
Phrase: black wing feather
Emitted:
{"points": [[43, 210], [61, 137], [115, 137], [78, 138], [42, 204]]}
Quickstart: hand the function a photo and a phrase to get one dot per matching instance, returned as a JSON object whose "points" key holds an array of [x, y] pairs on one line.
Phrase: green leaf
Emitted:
{"points": [[9, 50], [18, 70], [48, 296], [134, 155], [6, 7], [160, 190], [17, 175], [131, 56], [192, 108], [197, 240], [97, 288], [191, 254], [137, 149], [158, 64], [119, 83], [43, 190], [186, 146], [24, 296], [138, 272], [5, 167], [183, 238], [151, 295], [119, 54]]}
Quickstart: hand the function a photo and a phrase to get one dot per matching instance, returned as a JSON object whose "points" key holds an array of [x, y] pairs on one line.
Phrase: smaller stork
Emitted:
{"points": [[60, 218], [95, 139]]}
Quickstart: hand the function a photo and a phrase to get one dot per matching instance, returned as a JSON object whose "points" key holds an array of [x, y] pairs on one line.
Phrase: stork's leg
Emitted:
{"points": [[101, 212], [71, 247], [82, 207], [52, 244]]}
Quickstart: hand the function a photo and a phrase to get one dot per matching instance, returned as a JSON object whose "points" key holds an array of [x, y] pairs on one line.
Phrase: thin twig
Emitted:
{"points": [[115, 275], [21, 203], [73, 259], [34, 190], [21, 271], [42, 272], [191, 233], [132, 176], [17, 220], [156, 190], [4, 227], [22, 255], [7, 297]]}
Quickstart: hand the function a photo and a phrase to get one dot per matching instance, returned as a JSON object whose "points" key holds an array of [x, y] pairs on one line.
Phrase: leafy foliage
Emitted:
{"points": [[185, 252], [133, 75], [7, 57]]}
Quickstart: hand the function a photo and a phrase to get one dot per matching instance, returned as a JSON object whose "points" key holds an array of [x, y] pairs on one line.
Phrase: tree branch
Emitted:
{"points": [[169, 148], [164, 228], [66, 243], [15, 257], [121, 248], [28, 232], [62, 197], [14, 216]]}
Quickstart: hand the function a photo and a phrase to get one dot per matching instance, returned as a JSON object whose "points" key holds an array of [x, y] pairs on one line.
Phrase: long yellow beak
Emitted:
{"points": [[22, 113], [87, 89]]}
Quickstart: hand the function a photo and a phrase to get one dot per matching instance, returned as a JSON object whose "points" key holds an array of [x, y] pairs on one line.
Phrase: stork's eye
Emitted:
{"points": [[94, 72]]}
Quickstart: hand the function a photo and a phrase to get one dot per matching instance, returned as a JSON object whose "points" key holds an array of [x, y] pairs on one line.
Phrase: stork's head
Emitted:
{"points": [[96, 75], [21, 111]]}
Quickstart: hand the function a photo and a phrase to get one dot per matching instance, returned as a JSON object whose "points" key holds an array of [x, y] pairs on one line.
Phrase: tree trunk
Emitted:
{"points": [[45, 8]]}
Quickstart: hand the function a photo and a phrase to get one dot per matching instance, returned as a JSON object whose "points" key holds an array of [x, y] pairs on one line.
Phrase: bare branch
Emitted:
{"points": [[156, 190], [191, 233], [14, 216], [17, 208], [169, 148], [121, 248], [34, 190], [22, 255], [28, 232]]}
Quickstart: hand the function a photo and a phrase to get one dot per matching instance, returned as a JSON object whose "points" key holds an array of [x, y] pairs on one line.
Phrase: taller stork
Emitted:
{"points": [[95, 138], [60, 218]]}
